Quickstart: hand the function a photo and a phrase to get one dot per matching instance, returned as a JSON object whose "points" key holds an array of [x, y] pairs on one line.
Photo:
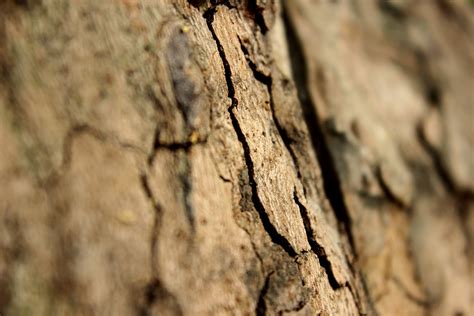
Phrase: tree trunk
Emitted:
{"points": [[235, 157]]}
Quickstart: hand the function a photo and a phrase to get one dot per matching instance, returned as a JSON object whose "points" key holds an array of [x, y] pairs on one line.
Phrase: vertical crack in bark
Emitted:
{"points": [[317, 249], [187, 184], [275, 236], [331, 181], [185, 176], [261, 308], [315, 246], [268, 82], [154, 291], [259, 19], [157, 219]]}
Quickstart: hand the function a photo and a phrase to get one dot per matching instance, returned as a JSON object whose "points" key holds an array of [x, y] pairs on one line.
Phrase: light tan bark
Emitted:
{"points": [[236, 157]]}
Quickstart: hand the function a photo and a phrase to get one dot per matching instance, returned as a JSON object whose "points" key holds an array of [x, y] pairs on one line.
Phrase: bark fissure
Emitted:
{"points": [[182, 145], [134, 183], [331, 183], [261, 308], [263, 78], [275, 236], [259, 19], [187, 184], [268, 82], [315, 246], [156, 221], [154, 290], [185, 176]]}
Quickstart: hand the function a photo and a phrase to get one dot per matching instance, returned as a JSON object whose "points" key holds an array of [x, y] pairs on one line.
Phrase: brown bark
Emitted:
{"points": [[258, 157]]}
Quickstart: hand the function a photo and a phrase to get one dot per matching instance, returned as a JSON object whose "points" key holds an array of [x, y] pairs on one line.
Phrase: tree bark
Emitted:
{"points": [[249, 157]]}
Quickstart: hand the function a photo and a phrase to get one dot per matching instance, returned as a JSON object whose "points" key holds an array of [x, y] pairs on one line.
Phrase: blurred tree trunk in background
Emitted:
{"points": [[201, 157]]}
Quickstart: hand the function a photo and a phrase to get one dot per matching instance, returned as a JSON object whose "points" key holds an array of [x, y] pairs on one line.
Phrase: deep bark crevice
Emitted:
{"points": [[268, 82], [275, 236], [315, 246], [331, 182], [134, 183], [258, 18]]}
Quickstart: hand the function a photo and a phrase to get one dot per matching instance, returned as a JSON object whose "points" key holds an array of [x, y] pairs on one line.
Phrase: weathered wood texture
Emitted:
{"points": [[234, 157]]}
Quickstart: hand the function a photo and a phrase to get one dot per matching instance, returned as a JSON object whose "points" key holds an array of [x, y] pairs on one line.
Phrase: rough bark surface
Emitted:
{"points": [[234, 157]]}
